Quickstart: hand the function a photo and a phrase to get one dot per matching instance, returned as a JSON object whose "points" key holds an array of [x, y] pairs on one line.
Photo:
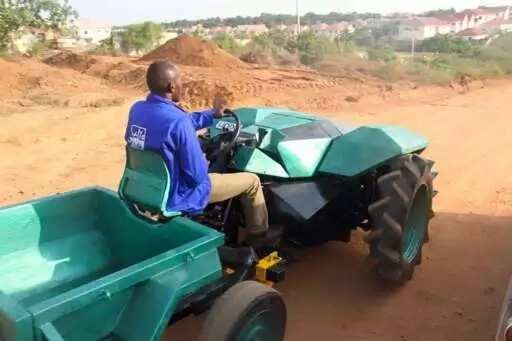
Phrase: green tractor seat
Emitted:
{"points": [[146, 182]]}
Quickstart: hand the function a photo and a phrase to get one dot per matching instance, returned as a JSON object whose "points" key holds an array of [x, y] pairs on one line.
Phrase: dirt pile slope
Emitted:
{"points": [[187, 50], [75, 61], [28, 83]]}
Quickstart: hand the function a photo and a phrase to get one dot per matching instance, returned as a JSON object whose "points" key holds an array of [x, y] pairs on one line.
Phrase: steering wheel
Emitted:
{"points": [[223, 143]]}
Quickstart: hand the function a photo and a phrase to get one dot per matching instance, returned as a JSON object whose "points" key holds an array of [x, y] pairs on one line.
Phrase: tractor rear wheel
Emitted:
{"points": [[248, 311], [400, 217]]}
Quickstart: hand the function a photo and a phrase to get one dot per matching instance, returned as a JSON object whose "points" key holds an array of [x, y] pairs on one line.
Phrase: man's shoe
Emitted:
{"points": [[267, 240]]}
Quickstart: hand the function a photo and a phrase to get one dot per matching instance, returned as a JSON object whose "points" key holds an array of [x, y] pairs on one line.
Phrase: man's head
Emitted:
{"points": [[164, 79]]}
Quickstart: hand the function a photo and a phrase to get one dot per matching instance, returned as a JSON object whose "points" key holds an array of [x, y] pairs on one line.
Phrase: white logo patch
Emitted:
{"points": [[137, 137], [226, 126]]}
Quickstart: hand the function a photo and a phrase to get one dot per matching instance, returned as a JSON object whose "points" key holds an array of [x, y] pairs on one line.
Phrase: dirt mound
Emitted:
{"points": [[29, 83], [187, 50], [200, 93], [78, 62], [261, 58]]}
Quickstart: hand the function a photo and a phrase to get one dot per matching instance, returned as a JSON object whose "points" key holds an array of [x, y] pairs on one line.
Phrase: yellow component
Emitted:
{"points": [[264, 264]]}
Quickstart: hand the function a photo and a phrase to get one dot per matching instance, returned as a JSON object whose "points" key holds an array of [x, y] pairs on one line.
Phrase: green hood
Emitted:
{"points": [[297, 145]]}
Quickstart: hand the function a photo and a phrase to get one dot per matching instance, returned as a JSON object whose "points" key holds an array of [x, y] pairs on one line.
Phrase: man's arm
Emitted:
{"points": [[202, 119], [189, 154]]}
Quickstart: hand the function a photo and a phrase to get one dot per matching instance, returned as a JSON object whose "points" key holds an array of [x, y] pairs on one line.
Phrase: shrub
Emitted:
{"points": [[38, 49], [226, 42], [384, 54]]}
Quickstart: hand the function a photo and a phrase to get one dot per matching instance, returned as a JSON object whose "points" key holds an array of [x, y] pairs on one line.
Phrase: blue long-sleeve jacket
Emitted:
{"points": [[159, 125]]}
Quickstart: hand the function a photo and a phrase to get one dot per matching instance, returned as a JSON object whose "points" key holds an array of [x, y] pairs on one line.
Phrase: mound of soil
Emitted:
{"points": [[78, 62], [29, 82], [187, 50], [200, 93], [261, 58]]}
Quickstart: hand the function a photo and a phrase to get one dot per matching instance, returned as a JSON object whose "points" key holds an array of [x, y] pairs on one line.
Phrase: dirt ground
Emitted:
{"points": [[71, 141]]}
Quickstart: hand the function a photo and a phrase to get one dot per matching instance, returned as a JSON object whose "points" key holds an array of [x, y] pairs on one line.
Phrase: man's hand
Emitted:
{"points": [[219, 106]]}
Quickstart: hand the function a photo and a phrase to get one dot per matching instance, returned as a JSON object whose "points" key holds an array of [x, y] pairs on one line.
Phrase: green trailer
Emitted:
{"points": [[82, 266]]}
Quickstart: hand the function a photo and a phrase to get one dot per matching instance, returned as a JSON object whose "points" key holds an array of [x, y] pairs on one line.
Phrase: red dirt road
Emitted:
{"points": [[455, 294]]}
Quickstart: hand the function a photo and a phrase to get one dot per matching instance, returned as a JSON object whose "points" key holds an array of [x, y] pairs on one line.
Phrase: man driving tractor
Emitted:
{"points": [[161, 125]]}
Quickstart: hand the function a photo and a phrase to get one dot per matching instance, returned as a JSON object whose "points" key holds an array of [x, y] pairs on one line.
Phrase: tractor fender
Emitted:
{"points": [[368, 147]]}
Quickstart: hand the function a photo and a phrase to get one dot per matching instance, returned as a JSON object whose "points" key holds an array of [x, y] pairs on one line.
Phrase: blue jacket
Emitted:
{"points": [[159, 125]]}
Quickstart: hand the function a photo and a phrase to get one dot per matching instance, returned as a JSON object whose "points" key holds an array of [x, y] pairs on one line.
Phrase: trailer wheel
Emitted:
{"points": [[248, 311], [400, 218]]}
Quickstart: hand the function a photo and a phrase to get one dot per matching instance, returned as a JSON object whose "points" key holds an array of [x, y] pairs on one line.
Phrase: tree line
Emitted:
{"points": [[273, 20]]}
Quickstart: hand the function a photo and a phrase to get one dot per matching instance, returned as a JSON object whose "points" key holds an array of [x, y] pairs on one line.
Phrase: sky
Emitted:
{"points": [[130, 11]]}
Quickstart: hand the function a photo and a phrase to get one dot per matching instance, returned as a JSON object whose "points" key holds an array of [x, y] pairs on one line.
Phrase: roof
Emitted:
{"points": [[495, 9], [320, 27], [221, 29], [341, 26], [496, 23], [92, 24], [461, 15], [425, 21], [473, 32], [477, 11], [448, 18], [252, 28]]}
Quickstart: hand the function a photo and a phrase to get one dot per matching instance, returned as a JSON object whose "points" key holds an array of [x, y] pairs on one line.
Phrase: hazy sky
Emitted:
{"points": [[127, 11]]}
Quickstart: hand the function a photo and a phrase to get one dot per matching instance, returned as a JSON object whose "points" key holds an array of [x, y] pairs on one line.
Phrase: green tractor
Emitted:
{"points": [[97, 265], [322, 181]]}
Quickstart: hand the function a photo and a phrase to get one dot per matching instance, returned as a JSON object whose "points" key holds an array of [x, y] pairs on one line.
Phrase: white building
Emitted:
{"points": [[251, 30], [91, 31], [333, 30], [421, 28]]}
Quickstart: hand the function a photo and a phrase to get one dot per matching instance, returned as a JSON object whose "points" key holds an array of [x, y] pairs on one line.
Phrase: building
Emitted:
{"points": [[251, 30], [421, 28], [473, 33], [333, 30], [24, 40], [495, 26], [196, 30], [218, 30], [501, 11], [91, 31]]}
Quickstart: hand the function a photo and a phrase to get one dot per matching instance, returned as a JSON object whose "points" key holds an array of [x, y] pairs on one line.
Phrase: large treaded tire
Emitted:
{"points": [[402, 192], [247, 308]]}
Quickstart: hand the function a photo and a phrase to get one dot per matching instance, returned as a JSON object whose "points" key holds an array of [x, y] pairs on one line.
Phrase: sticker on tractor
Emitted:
{"points": [[137, 137], [226, 126]]}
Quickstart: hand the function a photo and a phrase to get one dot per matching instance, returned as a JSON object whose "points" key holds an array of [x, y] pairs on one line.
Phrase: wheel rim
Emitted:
{"points": [[415, 226], [264, 326]]}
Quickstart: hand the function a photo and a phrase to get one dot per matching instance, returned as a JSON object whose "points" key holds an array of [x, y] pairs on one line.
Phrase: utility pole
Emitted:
{"points": [[413, 47], [298, 17]]}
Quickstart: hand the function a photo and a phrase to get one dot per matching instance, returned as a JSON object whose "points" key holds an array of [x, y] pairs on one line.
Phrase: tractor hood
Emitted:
{"points": [[289, 144]]}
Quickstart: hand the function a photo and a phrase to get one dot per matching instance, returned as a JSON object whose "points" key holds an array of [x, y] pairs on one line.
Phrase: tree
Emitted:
{"points": [[344, 42], [450, 44], [440, 12], [226, 42], [17, 14], [311, 47], [140, 37]]}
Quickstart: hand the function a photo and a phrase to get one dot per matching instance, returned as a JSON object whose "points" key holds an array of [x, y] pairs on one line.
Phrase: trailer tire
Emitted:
{"points": [[400, 218], [247, 311]]}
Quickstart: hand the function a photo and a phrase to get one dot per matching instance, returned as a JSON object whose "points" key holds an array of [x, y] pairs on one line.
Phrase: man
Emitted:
{"points": [[161, 125]]}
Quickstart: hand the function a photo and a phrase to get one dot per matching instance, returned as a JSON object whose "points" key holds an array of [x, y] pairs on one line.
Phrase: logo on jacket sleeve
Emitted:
{"points": [[137, 137]]}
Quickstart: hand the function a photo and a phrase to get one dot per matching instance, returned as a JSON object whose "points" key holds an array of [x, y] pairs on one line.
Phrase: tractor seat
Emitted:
{"points": [[146, 183]]}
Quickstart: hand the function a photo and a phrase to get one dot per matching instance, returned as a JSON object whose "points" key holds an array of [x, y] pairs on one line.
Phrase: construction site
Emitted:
{"points": [[63, 120]]}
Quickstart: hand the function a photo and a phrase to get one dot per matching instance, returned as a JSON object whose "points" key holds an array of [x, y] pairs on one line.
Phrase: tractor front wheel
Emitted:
{"points": [[400, 217]]}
